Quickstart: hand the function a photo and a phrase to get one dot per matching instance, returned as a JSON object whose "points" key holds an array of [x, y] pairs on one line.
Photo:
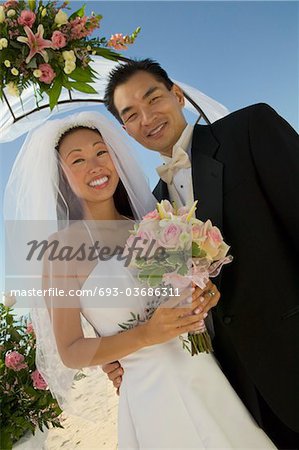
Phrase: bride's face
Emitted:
{"points": [[88, 165]]}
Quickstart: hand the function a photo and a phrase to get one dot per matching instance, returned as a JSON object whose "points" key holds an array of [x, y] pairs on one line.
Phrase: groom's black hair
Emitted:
{"points": [[122, 73]]}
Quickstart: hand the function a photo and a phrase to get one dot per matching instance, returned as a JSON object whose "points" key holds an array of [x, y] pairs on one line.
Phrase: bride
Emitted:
{"points": [[79, 172]]}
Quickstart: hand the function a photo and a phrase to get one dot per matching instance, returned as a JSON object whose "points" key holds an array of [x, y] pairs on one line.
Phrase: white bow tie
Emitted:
{"points": [[179, 160]]}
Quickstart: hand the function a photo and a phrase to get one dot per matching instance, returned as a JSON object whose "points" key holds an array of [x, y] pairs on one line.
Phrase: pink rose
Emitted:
{"points": [[38, 381], [152, 215], [197, 232], [58, 39], [147, 242], [170, 236], [15, 361], [212, 240], [27, 18], [48, 73], [214, 236]]}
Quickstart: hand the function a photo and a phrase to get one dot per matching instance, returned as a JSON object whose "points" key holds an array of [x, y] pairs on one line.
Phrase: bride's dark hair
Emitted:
{"points": [[68, 204]]}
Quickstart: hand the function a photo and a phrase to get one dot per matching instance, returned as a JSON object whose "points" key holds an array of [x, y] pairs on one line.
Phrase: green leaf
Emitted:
{"points": [[183, 270], [79, 13], [83, 87], [197, 252], [54, 93], [154, 281], [80, 74], [32, 64], [174, 259], [106, 53]]}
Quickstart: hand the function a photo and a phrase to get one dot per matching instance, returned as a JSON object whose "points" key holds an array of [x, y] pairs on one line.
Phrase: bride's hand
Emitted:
{"points": [[171, 319]]}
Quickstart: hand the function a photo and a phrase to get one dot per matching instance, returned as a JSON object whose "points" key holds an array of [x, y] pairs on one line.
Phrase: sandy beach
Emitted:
{"points": [[95, 398]]}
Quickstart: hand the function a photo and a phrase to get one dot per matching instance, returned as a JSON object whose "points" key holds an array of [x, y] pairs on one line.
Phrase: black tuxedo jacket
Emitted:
{"points": [[245, 170]]}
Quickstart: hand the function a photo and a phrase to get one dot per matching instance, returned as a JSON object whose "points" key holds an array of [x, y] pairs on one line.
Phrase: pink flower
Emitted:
{"points": [[79, 30], [197, 231], [147, 242], [38, 380], [117, 41], [29, 328], [36, 43], [214, 236], [27, 18], [152, 215], [170, 236], [15, 361], [48, 73], [212, 241], [10, 4], [58, 39]]}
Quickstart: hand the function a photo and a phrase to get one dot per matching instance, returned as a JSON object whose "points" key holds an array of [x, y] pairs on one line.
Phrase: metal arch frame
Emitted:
{"points": [[202, 115]]}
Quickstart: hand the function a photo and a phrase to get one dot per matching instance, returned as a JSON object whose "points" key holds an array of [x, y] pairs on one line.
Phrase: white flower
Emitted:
{"points": [[11, 13], [7, 63], [69, 55], [37, 73], [3, 43], [9, 300], [2, 14], [12, 89], [61, 18], [88, 48], [69, 67], [14, 71]]}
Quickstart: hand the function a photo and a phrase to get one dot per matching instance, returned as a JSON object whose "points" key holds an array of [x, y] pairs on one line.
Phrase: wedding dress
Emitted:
{"points": [[168, 399]]}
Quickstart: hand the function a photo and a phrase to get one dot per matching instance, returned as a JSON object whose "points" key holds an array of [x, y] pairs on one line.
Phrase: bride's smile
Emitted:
{"points": [[88, 166]]}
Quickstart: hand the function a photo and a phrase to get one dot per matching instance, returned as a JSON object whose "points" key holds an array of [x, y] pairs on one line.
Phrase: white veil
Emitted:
{"points": [[31, 195], [32, 189]]}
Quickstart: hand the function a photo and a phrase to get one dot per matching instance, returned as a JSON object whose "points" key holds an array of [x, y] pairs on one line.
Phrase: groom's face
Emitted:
{"points": [[151, 114]]}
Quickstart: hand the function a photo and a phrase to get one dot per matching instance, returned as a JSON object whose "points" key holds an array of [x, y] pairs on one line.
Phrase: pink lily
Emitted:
{"points": [[36, 43]]}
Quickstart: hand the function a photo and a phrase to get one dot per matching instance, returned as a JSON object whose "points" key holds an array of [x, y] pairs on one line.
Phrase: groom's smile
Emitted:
{"points": [[150, 112]]}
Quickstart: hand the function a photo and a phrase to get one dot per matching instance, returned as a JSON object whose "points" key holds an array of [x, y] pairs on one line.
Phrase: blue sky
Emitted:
{"points": [[237, 52]]}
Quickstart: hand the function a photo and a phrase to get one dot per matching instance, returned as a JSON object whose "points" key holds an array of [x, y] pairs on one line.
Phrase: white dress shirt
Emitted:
{"points": [[181, 188]]}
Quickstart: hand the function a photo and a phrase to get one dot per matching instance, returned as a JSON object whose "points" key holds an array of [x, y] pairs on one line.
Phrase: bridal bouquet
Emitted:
{"points": [[40, 44], [26, 402], [170, 247]]}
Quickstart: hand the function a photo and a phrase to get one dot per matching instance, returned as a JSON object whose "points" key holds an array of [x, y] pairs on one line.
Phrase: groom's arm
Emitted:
{"points": [[275, 151]]}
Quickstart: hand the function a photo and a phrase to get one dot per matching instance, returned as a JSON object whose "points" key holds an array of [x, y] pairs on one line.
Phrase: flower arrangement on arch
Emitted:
{"points": [[171, 247], [26, 401], [43, 46]]}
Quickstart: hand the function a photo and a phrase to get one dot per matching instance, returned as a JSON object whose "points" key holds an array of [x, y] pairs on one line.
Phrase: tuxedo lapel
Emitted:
{"points": [[207, 175], [161, 191]]}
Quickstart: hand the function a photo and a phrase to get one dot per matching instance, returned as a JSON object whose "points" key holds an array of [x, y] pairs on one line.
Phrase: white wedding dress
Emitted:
{"points": [[168, 399]]}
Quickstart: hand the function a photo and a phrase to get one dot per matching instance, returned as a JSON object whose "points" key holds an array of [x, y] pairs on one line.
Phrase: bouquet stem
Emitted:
{"points": [[200, 342]]}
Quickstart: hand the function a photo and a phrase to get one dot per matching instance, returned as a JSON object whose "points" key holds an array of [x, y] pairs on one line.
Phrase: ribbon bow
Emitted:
{"points": [[179, 160]]}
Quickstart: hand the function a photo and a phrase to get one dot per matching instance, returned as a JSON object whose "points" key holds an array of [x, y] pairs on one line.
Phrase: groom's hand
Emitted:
{"points": [[115, 373]]}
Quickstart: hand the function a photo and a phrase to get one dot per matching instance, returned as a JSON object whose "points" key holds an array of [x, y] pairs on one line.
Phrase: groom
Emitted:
{"points": [[244, 170]]}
